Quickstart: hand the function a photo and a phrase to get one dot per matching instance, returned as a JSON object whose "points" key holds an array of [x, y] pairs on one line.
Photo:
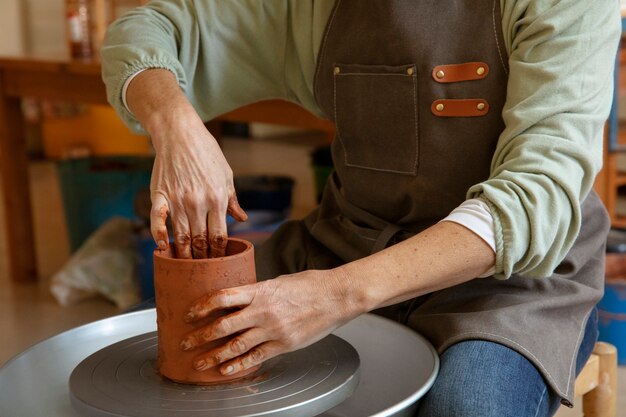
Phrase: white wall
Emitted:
{"points": [[36, 26], [45, 26], [12, 39]]}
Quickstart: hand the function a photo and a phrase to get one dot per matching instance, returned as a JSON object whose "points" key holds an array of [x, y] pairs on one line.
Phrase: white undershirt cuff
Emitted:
{"points": [[475, 215], [125, 88]]}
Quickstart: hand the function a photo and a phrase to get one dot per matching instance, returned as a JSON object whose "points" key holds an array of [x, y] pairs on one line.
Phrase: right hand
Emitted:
{"points": [[191, 180], [193, 184]]}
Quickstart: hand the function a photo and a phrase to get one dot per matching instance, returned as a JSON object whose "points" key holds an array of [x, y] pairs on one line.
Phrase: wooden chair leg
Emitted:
{"points": [[602, 401]]}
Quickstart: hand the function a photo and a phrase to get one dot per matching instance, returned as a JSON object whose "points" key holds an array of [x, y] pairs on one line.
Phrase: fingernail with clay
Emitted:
{"points": [[200, 365], [189, 317], [162, 245], [186, 344], [228, 370]]}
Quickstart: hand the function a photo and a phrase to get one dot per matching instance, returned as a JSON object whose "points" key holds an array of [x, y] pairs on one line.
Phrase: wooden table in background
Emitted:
{"points": [[63, 79]]}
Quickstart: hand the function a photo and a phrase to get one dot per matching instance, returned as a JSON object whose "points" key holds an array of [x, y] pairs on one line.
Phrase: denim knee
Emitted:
{"points": [[485, 379]]}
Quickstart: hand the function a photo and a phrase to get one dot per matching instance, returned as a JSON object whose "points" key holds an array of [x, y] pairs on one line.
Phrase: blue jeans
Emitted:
{"points": [[483, 379]]}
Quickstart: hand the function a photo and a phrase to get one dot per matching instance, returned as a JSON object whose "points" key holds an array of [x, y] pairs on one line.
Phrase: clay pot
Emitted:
{"points": [[178, 283]]}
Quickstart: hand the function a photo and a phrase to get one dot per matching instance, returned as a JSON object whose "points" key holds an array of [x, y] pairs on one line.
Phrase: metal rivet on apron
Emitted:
{"points": [[409, 71], [337, 70], [481, 106], [439, 107], [440, 74], [480, 70]]}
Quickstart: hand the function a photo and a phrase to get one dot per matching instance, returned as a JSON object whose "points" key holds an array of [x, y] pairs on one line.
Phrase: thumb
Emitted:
{"points": [[158, 216], [235, 210]]}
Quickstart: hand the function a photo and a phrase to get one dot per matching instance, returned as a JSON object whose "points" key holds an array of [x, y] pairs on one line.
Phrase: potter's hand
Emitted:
{"points": [[276, 316], [191, 180]]}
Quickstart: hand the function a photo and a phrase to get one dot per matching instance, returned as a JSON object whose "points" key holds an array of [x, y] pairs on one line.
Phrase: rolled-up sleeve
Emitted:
{"points": [[561, 59], [224, 53]]}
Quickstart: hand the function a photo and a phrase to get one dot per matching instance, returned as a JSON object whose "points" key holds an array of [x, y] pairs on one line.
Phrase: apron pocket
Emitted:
{"points": [[376, 116]]}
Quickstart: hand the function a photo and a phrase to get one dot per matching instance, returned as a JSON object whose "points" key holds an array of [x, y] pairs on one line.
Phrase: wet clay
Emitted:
{"points": [[180, 282]]}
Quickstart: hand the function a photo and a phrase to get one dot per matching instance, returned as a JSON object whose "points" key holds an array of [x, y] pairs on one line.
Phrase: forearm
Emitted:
{"points": [[157, 101], [442, 256]]}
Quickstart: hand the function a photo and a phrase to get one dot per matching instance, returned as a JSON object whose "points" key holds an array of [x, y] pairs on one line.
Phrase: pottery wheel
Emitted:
{"points": [[122, 380]]}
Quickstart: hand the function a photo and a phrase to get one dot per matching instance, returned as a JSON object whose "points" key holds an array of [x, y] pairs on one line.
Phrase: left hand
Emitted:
{"points": [[277, 316]]}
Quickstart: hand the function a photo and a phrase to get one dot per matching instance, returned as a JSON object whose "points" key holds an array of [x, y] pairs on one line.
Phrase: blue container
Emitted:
{"points": [[96, 189], [264, 192], [267, 199], [612, 316], [145, 247]]}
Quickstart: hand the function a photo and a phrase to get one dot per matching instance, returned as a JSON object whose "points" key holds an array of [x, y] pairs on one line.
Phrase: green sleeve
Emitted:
{"points": [[224, 53], [561, 57]]}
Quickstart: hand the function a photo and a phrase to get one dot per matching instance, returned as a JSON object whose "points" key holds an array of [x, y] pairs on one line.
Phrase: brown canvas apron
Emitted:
{"points": [[416, 89]]}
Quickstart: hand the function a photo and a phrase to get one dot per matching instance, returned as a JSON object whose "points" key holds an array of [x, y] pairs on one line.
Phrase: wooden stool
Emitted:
{"points": [[597, 382]]}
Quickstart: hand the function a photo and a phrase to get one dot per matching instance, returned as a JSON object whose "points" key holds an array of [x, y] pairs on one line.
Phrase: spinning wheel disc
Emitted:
{"points": [[122, 380]]}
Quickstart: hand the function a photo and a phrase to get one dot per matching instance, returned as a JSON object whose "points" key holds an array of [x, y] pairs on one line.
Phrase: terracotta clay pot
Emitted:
{"points": [[178, 283]]}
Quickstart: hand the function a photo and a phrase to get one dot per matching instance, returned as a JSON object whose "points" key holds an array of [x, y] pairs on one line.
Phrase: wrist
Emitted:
{"points": [[157, 101], [177, 123], [357, 298]]}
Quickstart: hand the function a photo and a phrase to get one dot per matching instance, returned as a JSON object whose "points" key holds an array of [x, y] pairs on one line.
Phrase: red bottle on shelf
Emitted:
{"points": [[79, 28]]}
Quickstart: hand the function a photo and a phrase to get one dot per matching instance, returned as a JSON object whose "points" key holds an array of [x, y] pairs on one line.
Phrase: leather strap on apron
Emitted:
{"points": [[385, 237], [388, 230]]}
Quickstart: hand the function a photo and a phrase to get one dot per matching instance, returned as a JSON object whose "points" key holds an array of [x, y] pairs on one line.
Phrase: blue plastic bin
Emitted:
{"points": [[612, 316], [95, 189], [145, 247], [612, 306], [267, 199]]}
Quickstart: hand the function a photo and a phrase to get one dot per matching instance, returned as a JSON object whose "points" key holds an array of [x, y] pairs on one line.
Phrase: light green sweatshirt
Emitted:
{"points": [[228, 53]]}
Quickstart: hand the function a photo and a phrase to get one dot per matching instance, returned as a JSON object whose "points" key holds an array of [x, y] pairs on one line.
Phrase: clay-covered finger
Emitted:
{"points": [[182, 234], [219, 300], [234, 348], [255, 356], [235, 210], [222, 327], [197, 215], [218, 235], [158, 218]]}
